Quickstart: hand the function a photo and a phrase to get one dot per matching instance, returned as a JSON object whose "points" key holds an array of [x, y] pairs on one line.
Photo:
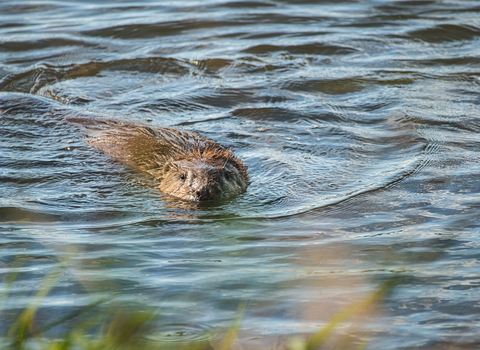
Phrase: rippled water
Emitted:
{"points": [[359, 123]]}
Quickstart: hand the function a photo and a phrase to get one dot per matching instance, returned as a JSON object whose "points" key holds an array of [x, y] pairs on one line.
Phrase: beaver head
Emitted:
{"points": [[206, 174]]}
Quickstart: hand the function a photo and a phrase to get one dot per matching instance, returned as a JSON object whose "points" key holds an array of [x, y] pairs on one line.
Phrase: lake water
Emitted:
{"points": [[359, 121]]}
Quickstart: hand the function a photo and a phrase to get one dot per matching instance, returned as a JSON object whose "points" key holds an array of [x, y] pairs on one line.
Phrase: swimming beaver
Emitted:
{"points": [[187, 165]]}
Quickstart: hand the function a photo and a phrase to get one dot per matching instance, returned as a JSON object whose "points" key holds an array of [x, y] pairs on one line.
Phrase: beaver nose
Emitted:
{"points": [[203, 194]]}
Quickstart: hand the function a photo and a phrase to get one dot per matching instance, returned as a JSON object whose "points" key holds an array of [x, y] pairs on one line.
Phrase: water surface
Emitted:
{"points": [[359, 123]]}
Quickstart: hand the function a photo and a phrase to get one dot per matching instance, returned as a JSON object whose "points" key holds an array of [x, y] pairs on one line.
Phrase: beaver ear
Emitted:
{"points": [[170, 166], [166, 167]]}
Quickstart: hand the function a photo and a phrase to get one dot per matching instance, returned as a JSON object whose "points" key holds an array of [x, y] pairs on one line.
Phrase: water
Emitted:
{"points": [[359, 123]]}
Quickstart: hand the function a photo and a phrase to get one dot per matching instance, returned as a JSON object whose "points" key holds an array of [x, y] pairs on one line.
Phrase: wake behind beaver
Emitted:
{"points": [[185, 164]]}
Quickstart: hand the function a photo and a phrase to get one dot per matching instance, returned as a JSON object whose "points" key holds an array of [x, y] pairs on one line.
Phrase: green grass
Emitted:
{"points": [[106, 324]]}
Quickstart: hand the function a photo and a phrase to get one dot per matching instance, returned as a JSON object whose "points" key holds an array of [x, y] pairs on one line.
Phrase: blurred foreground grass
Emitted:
{"points": [[106, 324]]}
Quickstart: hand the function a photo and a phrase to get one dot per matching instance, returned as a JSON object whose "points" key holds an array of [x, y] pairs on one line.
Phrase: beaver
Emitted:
{"points": [[186, 165]]}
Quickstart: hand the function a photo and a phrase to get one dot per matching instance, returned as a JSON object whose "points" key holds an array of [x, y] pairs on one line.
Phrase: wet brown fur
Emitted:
{"points": [[211, 171], [213, 153]]}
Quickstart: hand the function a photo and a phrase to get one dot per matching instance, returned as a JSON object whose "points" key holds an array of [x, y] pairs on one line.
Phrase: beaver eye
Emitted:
{"points": [[182, 176]]}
